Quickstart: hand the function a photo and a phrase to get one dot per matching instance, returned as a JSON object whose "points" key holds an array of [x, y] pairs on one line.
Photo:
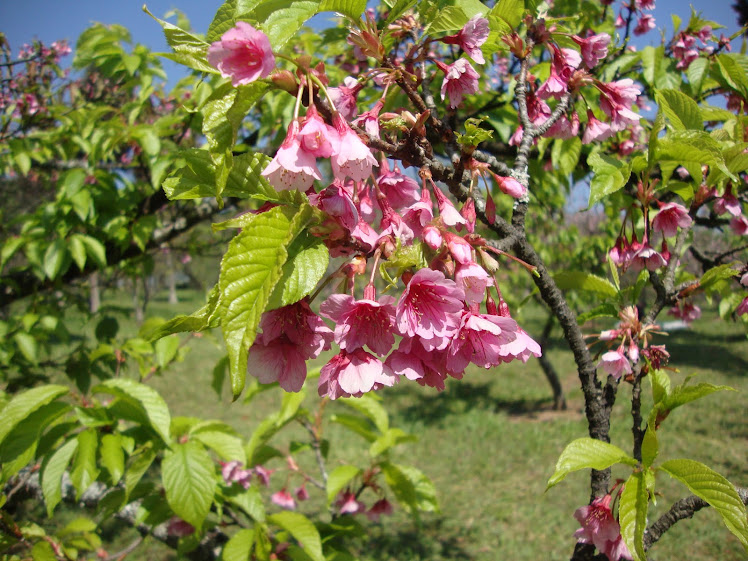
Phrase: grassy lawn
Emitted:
{"points": [[490, 441]]}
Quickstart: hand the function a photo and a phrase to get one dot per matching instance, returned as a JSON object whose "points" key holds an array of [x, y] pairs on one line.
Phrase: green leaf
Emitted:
{"points": [[189, 49], [141, 460], [351, 8], [683, 393], [227, 446], [356, 424], [307, 262], [632, 514], [189, 481], [589, 453], [282, 24], [565, 154], [166, 349], [715, 490], [301, 528], [239, 546], [84, 470], [51, 473], [610, 175], [606, 310], [369, 405], [77, 251], [28, 346], [42, 551], [692, 146], [95, 250], [733, 73], [203, 318], [509, 11], [696, 72], [55, 258], [24, 404], [250, 269], [450, 18], [389, 439], [660, 385], [579, 280], [650, 446], [682, 111], [249, 500], [411, 487], [149, 406], [716, 274], [113, 456], [339, 478]]}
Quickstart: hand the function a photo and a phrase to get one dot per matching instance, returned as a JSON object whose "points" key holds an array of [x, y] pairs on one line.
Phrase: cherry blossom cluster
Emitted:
{"points": [[369, 217], [632, 340], [27, 91], [347, 502], [638, 9]]}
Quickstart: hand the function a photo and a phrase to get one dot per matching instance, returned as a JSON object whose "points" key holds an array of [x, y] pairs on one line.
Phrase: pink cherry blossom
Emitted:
{"points": [[564, 128], [616, 99], [615, 363], [243, 54], [742, 307], [447, 211], [344, 97], [471, 37], [461, 250], [293, 167], [401, 191], [420, 213], [347, 503], [739, 225], [351, 374], [521, 348], [301, 493], [671, 217], [232, 472], [279, 361], [382, 506], [414, 362], [370, 119], [564, 63], [460, 79], [432, 237], [362, 322], [317, 137], [473, 280], [511, 186], [645, 23], [594, 48], [351, 157], [283, 499], [596, 130], [685, 310], [429, 307], [600, 529], [478, 340], [336, 201], [647, 257], [300, 325], [728, 203]]}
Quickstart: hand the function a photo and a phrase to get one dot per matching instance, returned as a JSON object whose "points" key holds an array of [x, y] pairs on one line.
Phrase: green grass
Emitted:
{"points": [[490, 441]]}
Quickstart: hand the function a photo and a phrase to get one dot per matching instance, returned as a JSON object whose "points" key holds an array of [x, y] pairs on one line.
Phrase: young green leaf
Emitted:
{"points": [[632, 514], [150, 408], [339, 478], [25, 403], [189, 481], [301, 528], [51, 472], [586, 453]]}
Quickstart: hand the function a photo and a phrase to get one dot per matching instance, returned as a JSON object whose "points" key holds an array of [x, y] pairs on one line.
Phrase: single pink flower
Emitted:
{"points": [[317, 137], [401, 191], [351, 374], [413, 361], [293, 167], [370, 119], [429, 307], [471, 37], [511, 186], [345, 97], [600, 529], [615, 363], [565, 61], [279, 361], [461, 250], [742, 307], [351, 157], [594, 48], [347, 503], [647, 257], [243, 54], [616, 99], [362, 322], [728, 203], [300, 325], [521, 348], [645, 23], [263, 474], [671, 217], [420, 214], [739, 225], [460, 79], [336, 201], [478, 340], [284, 499], [432, 237], [232, 472], [382, 506], [301, 493], [447, 211], [473, 280]]}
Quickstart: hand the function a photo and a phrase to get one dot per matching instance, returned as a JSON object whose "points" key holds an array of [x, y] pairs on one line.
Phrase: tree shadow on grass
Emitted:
{"points": [[462, 397], [429, 541]]}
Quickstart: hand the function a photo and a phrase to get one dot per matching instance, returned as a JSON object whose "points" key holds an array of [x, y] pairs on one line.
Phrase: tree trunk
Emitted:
{"points": [[138, 299], [171, 276], [94, 296]]}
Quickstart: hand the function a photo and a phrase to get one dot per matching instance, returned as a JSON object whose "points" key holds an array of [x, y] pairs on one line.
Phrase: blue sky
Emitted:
{"points": [[49, 20]]}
